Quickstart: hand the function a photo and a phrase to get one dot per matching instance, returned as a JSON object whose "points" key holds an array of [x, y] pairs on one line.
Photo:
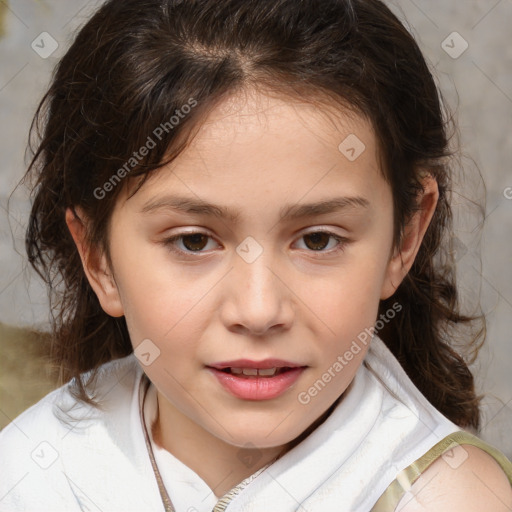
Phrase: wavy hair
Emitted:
{"points": [[136, 63]]}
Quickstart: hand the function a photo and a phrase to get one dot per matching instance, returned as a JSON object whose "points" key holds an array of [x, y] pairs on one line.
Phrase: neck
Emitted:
{"points": [[221, 465]]}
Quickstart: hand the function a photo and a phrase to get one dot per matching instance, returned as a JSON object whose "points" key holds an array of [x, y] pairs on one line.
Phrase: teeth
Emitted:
{"points": [[268, 372]]}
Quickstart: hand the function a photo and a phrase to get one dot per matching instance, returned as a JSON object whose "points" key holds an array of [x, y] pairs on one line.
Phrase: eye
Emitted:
{"points": [[196, 242], [192, 242], [317, 241]]}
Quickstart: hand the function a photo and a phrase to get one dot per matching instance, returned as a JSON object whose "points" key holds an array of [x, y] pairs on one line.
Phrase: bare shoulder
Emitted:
{"points": [[464, 479]]}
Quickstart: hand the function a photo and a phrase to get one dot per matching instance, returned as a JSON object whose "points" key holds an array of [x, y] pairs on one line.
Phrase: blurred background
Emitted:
{"points": [[469, 47]]}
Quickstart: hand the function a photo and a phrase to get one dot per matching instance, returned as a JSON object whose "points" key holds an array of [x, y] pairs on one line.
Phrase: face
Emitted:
{"points": [[269, 238]]}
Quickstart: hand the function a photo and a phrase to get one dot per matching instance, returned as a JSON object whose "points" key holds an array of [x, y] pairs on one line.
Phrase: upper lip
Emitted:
{"points": [[248, 363]]}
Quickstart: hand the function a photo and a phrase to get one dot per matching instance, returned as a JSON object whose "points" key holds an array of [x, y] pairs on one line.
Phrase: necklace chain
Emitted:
{"points": [[166, 500]]}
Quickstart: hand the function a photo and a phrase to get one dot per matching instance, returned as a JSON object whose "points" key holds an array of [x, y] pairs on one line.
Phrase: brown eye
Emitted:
{"points": [[324, 243], [188, 243], [194, 242], [318, 241]]}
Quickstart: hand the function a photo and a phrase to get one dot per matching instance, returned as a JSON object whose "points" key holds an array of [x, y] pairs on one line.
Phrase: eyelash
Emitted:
{"points": [[170, 242]]}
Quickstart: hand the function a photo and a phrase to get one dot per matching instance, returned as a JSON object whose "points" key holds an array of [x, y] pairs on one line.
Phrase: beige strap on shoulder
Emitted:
{"points": [[404, 480]]}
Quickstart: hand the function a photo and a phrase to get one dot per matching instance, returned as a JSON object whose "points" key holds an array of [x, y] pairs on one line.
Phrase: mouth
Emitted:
{"points": [[256, 372], [252, 380]]}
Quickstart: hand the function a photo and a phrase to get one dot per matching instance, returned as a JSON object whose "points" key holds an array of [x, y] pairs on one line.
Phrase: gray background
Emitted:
{"points": [[477, 85]]}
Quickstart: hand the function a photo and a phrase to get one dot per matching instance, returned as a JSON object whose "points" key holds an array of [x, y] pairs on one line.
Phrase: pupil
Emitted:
{"points": [[317, 238], [196, 240]]}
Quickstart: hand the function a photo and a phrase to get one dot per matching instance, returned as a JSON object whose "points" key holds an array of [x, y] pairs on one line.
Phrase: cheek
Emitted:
{"points": [[158, 299], [346, 299]]}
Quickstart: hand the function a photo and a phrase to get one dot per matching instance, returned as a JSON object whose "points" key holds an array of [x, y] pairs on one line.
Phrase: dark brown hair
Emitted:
{"points": [[135, 64]]}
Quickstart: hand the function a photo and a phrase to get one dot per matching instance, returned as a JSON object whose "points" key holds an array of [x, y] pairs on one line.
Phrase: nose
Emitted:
{"points": [[258, 299]]}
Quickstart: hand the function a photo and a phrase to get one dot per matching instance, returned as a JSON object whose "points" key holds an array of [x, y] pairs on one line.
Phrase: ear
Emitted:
{"points": [[403, 259], [95, 265]]}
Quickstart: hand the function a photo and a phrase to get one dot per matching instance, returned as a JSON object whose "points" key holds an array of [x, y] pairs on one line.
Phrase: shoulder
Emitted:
{"points": [[58, 411], [40, 448], [29, 451], [466, 481], [37, 418]]}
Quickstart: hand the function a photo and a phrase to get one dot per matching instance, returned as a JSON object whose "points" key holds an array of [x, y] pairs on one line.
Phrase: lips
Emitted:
{"points": [[254, 372], [256, 380], [259, 365], [249, 368]]}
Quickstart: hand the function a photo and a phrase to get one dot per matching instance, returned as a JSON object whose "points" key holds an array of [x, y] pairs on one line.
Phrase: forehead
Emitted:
{"points": [[253, 111], [258, 146]]}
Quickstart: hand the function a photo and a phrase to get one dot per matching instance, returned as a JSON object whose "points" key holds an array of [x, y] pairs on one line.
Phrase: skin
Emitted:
{"points": [[254, 153], [477, 484]]}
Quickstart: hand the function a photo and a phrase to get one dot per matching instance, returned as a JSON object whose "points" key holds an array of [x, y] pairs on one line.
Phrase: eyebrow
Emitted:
{"points": [[288, 212]]}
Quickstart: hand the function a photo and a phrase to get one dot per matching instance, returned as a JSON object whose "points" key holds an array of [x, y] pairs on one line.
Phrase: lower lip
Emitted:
{"points": [[258, 388]]}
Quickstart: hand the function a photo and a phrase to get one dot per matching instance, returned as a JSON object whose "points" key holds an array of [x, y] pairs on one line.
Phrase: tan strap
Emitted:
{"points": [[393, 494]]}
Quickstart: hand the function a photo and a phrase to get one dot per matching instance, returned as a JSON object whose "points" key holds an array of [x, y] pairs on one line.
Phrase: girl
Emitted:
{"points": [[241, 209]]}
